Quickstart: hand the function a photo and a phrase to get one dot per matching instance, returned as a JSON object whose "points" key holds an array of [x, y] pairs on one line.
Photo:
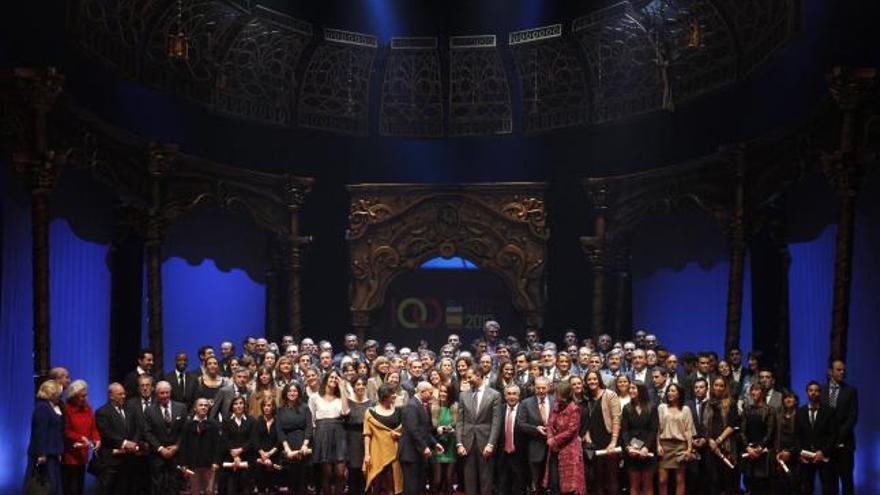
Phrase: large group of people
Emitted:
{"points": [[502, 415]]}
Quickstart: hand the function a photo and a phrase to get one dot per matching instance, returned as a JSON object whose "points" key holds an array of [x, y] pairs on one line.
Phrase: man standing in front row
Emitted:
{"points": [[532, 420], [477, 428], [417, 441], [844, 398]]}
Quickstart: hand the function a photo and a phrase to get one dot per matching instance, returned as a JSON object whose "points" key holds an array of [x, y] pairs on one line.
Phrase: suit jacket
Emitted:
{"points": [[47, 431], [699, 424], [223, 402], [527, 421], [520, 440], [846, 413], [821, 435], [477, 428], [113, 429], [417, 432], [135, 409], [184, 395], [235, 436], [156, 431]]}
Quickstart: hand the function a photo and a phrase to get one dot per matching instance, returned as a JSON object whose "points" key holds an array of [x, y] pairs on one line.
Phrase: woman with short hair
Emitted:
{"points": [[382, 429], [46, 444], [80, 434], [358, 404], [565, 472]]}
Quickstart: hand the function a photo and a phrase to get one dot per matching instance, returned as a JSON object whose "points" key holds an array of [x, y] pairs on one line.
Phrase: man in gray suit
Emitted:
{"points": [[477, 428]]}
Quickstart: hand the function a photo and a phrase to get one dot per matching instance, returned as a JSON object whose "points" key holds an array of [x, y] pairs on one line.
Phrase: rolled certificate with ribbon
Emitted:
{"points": [[783, 466], [724, 459], [604, 452], [241, 465]]}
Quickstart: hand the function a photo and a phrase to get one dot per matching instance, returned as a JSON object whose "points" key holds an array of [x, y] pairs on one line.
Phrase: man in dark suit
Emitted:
{"points": [[183, 383], [532, 421], [417, 440], [513, 445], [135, 407], [163, 421], [118, 442], [220, 411], [144, 367], [844, 398], [699, 472], [815, 432], [477, 429]]}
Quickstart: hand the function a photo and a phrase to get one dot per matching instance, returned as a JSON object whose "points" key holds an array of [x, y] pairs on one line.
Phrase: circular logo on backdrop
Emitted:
{"points": [[414, 312]]}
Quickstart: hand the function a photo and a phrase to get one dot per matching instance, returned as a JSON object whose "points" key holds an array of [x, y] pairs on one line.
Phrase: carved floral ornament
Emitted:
{"points": [[499, 231]]}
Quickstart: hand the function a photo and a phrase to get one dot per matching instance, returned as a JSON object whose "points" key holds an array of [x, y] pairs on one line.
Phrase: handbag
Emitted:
{"points": [[94, 465], [38, 483]]}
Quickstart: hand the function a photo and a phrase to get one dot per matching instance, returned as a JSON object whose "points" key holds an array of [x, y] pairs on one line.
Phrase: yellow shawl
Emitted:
{"points": [[383, 451]]}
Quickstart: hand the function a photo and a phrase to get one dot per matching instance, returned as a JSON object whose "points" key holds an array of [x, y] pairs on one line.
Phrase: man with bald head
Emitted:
{"points": [[118, 442], [163, 421]]}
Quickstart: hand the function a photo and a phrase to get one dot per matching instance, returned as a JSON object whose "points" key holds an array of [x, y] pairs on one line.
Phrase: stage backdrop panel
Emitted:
{"points": [[430, 304], [204, 305]]}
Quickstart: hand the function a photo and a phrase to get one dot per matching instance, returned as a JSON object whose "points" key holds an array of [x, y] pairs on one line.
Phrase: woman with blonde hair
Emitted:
{"points": [[47, 436], [381, 366], [80, 434]]}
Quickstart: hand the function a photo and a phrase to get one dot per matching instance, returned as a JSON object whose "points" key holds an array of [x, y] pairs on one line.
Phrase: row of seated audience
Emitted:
{"points": [[502, 417]]}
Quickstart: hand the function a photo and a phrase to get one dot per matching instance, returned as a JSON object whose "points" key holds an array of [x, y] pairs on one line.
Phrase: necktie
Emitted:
{"points": [[812, 416], [832, 395], [543, 410], [508, 431], [180, 382], [121, 412], [699, 412], [167, 414], [144, 404], [476, 400]]}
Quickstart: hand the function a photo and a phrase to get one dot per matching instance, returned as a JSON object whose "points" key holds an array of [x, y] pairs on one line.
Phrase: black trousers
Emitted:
{"points": [[478, 472], [827, 478], [536, 475], [844, 462], [114, 478], [511, 473], [72, 479], [413, 477]]}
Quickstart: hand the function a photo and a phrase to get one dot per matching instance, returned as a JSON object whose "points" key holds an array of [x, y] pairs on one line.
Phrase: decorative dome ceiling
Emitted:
{"points": [[252, 62]]}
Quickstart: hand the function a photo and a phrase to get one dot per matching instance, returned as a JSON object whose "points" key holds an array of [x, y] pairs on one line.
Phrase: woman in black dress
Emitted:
{"points": [[264, 441], [638, 428], [354, 431], [294, 429], [757, 432], [600, 428], [237, 432], [719, 421], [786, 443]]}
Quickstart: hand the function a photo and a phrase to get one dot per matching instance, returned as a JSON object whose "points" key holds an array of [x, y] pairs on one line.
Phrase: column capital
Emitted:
{"points": [[294, 192], [600, 196], [597, 252], [40, 171], [41, 85], [849, 85], [160, 158]]}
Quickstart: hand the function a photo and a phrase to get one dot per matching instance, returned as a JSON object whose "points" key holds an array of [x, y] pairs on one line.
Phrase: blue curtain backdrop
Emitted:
{"points": [[16, 341], [206, 305]]}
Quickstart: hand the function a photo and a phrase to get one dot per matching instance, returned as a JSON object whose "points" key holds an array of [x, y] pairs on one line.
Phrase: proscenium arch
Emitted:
{"points": [[394, 228]]}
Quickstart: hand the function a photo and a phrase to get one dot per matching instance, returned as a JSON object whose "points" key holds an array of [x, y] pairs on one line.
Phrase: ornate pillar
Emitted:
{"points": [[844, 169], [273, 290], [736, 237], [622, 311], [40, 167], [294, 197], [595, 249], [158, 164], [361, 322]]}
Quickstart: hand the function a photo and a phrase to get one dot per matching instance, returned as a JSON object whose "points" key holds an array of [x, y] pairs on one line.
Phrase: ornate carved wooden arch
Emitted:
{"points": [[394, 228]]}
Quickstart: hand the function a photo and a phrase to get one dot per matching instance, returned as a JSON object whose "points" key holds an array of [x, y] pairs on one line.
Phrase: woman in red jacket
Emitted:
{"points": [[565, 464], [80, 434]]}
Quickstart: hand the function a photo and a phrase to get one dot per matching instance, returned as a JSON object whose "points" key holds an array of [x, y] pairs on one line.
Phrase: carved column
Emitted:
{"points": [[844, 170], [736, 237], [622, 310], [361, 322], [294, 196], [273, 290], [158, 164], [595, 249], [40, 167]]}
